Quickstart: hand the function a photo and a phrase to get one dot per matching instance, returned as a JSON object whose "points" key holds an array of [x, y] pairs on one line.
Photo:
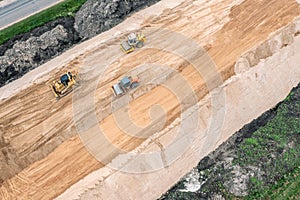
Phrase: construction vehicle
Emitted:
{"points": [[64, 86], [123, 86], [135, 40]]}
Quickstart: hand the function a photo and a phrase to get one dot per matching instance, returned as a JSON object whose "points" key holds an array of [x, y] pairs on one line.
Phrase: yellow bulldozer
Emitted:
{"points": [[135, 40], [64, 86]]}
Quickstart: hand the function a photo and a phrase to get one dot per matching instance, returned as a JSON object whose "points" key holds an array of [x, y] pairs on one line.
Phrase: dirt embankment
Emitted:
{"points": [[49, 125], [260, 154]]}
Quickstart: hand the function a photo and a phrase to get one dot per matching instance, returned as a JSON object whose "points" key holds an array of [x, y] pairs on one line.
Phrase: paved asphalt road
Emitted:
{"points": [[20, 9]]}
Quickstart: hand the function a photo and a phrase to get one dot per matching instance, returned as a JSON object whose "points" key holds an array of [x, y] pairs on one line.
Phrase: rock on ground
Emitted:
{"points": [[28, 52], [96, 16]]}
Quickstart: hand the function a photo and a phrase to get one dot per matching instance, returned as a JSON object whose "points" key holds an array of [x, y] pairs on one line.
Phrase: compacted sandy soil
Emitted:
{"points": [[41, 155]]}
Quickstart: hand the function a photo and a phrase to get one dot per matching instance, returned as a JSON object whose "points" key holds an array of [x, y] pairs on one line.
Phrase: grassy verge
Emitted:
{"points": [[63, 9], [288, 187]]}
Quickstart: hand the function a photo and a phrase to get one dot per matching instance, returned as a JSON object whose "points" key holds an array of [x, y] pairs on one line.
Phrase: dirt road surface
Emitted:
{"points": [[41, 154]]}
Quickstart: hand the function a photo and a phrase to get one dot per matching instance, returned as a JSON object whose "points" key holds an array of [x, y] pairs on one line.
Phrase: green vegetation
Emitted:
{"points": [[288, 187], [63, 9], [275, 149]]}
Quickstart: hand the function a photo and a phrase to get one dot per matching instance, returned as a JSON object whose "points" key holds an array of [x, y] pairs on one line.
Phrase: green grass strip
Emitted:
{"points": [[63, 9], [288, 187]]}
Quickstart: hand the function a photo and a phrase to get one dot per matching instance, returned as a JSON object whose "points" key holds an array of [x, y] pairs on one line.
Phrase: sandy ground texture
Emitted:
{"points": [[273, 75], [39, 133]]}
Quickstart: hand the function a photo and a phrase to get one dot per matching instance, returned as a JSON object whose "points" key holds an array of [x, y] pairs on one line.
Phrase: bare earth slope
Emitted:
{"points": [[38, 135]]}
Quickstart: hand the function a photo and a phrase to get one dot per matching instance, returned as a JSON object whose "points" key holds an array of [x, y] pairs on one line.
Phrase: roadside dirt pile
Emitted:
{"points": [[38, 133], [29, 54], [27, 51], [95, 16]]}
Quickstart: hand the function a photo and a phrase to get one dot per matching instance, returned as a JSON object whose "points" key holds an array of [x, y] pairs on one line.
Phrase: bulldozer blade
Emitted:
{"points": [[53, 90]]}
